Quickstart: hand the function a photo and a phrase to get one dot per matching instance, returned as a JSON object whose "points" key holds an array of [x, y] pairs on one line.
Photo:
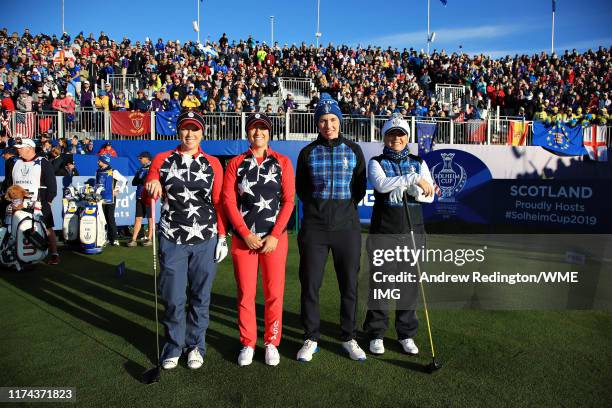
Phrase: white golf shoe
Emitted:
{"points": [[245, 357], [409, 347], [194, 359], [308, 349], [377, 346], [170, 363], [355, 352], [272, 356]]}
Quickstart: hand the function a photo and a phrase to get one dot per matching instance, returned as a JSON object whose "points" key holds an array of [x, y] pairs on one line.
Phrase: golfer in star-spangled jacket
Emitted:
{"points": [[191, 238], [258, 194]]}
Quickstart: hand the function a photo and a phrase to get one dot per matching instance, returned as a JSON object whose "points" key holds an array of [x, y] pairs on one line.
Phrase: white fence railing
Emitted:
{"points": [[299, 88], [293, 125], [449, 94]]}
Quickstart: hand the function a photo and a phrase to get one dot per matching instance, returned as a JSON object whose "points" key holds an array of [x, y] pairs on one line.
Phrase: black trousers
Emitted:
{"points": [[109, 214], [377, 316], [314, 247]]}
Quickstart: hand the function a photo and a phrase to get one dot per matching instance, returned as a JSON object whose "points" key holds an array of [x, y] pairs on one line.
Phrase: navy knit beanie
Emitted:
{"points": [[326, 105]]}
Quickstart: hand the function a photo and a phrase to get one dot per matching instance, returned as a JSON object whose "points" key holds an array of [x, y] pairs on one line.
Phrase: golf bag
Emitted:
{"points": [[23, 241], [84, 220], [92, 224], [70, 204]]}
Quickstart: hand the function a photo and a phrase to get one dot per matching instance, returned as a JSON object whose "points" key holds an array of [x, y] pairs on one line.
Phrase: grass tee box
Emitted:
{"points": [[78, 325]]}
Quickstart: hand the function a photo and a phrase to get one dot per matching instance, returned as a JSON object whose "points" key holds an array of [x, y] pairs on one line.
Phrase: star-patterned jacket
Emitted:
{"points": [[258, 193], [191, 201]]}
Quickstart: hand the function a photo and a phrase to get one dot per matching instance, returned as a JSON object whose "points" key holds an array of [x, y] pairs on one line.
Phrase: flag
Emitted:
{"points": [[44, 124], [559, 138], [425, 137], [517, 133], [165, 122], [554, 5], [444, 2], [476, 131], [594, 139], [120, 270], [25, 124], [127, 123], [60, 57]]}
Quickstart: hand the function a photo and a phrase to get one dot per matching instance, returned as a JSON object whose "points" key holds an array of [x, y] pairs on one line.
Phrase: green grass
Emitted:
{"points": [[78, 325]]}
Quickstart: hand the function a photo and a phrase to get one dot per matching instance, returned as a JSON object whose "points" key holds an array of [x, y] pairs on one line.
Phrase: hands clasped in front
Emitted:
{"points": [[262, 245]]}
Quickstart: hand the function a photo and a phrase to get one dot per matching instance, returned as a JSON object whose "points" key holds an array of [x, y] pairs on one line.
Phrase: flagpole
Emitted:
{"points": [[428, 33], [198, 1], [63, 17], [552, 43], [318, 33]]}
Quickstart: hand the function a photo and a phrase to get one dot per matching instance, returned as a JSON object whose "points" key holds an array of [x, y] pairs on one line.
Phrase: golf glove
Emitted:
{"points": [[417, 193], [396, 194], [221, 249]]}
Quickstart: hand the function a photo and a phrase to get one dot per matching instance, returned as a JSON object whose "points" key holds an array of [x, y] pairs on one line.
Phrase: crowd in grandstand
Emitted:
{"points": [[45, 73]]}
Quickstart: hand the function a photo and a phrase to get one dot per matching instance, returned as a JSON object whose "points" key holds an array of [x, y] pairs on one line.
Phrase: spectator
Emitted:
{"points": [[109, 92], [141, 103], [24, 101], [157, 104], [142, 209], [102, 101], [107, 149], [191, 101], [7, 102], [175, 103], [289, 103], [89, 148], [56, 158], [69, 169], [87, 96], [75, 146], [121, 103]]}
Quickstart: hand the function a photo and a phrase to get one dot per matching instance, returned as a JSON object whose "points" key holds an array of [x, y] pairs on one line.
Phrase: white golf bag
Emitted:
{"points": [[23, 241], [84, 220], [70, 205]]}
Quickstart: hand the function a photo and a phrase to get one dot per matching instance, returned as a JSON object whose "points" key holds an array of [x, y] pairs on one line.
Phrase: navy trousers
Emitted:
{"points": [[185, 268]]}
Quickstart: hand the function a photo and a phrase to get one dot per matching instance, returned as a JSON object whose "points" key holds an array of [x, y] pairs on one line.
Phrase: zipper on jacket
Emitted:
{"points": [[331, 193]]}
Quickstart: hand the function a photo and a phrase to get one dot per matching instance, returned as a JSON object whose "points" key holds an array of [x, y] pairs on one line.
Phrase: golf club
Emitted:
{"points": [[153, 375], [434, 365]]}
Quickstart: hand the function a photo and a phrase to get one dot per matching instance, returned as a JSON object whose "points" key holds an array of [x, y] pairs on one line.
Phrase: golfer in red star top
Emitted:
{"points": [[258, 194], [191, 238]]}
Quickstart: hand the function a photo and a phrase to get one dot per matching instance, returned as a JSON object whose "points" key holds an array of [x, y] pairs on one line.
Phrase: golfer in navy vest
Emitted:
{"points": [[399, 178], [191, 238], [113, 182], [330, 182]]}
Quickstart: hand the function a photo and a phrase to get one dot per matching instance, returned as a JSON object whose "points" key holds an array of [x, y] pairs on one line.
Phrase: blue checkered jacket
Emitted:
{"points": [[330, 181]]}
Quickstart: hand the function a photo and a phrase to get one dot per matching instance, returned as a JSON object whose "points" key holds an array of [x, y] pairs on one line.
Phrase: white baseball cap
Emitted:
{"points": [[25, 143], [396, 122]]}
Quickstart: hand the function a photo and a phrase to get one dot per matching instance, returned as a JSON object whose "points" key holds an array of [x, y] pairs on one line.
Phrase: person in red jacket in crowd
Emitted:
{"points": [[191, 239], [107, 149], [258, 195], [7, 102]]}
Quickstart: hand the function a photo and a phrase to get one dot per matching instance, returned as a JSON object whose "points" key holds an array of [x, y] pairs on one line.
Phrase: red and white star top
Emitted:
{"points": [[191, 200], [258, 193]]}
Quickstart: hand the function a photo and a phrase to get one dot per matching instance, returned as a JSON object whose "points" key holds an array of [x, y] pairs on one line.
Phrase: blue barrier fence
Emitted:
{"points": [[480, 184]]}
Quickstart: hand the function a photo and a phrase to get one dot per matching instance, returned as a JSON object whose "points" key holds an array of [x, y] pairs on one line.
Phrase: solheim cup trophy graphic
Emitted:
{"points": [[450, 179]]}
